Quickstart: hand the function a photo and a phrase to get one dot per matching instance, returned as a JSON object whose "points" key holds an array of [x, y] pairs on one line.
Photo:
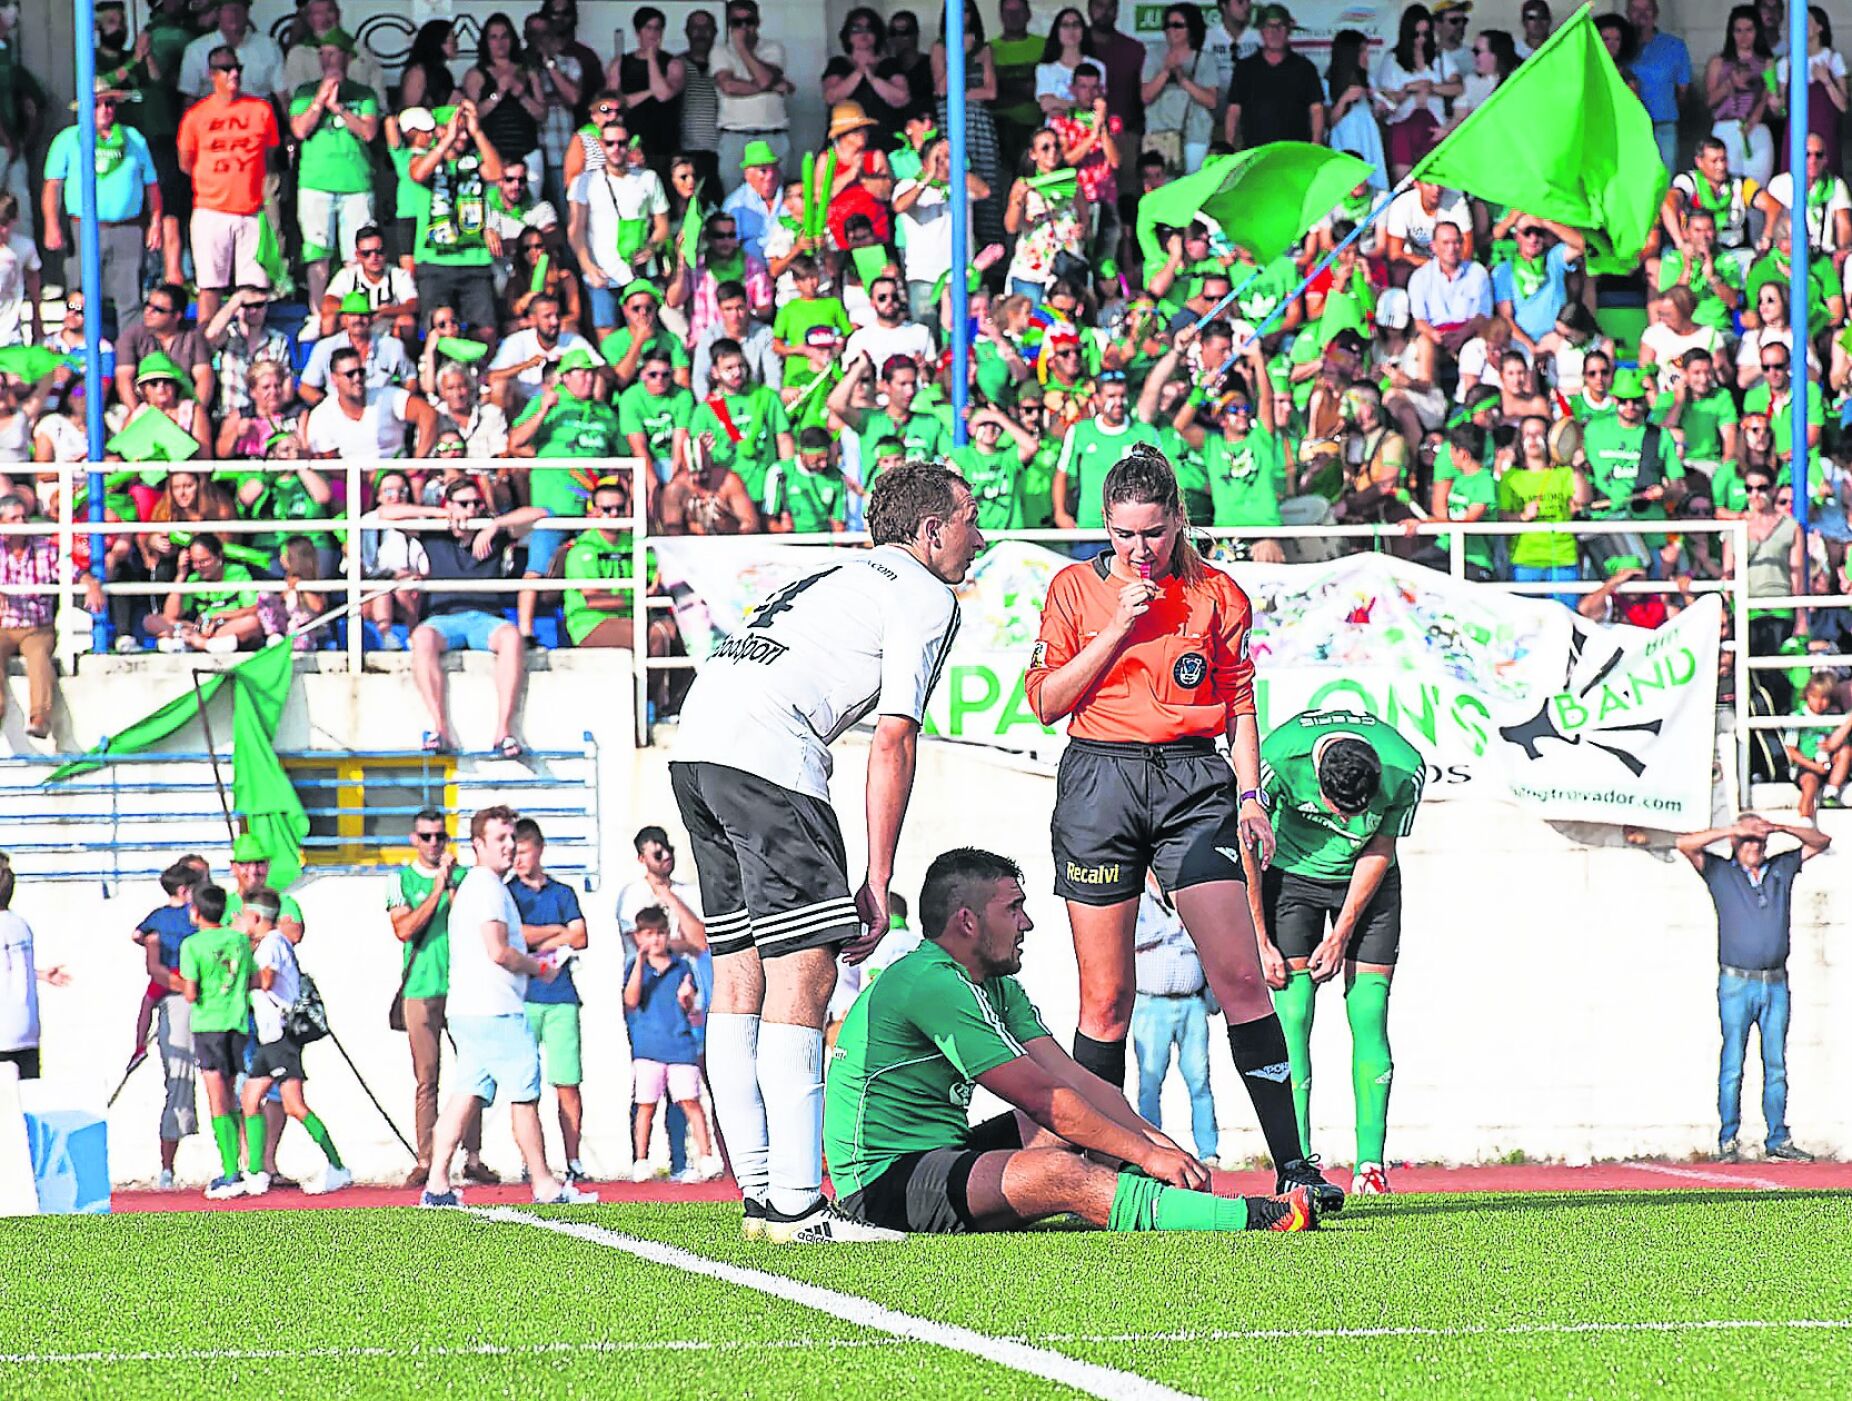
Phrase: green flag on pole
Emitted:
{"points": [[261, 790], [1563, 138], [1264, 199], [688, 244], [270, 258]]}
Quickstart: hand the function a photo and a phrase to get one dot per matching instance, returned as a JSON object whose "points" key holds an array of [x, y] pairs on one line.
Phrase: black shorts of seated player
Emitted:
{"points": [[927, 1191]]}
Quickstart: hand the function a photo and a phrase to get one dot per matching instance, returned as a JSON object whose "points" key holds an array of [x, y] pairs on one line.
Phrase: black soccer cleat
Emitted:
{"points": [[1292, 1212], [1327, 1196]]}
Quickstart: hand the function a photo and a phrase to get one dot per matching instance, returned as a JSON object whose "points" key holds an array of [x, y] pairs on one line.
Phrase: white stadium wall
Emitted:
{"points": [[1554, 1000]]}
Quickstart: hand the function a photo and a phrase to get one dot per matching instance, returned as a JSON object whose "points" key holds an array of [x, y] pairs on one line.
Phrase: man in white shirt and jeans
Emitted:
{"points": [[19, 980], [487, 1013]]}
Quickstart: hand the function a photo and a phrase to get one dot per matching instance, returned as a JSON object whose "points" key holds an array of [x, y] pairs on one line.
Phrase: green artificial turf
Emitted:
{"points": [[1518, 1295]]}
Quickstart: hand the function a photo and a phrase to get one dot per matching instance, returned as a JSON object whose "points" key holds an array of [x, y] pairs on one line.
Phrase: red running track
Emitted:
{"points": [[1527, 1177]]}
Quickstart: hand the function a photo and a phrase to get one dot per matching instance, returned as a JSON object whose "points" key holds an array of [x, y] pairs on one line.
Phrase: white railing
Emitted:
{"points": [[355, 589]]}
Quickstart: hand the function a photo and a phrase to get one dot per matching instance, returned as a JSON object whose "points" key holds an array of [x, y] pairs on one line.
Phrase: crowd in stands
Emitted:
{"points": [[540, 250]]}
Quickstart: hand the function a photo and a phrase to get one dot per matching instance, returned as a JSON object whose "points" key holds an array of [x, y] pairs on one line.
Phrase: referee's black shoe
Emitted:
{"points": [[1327, 1196]]}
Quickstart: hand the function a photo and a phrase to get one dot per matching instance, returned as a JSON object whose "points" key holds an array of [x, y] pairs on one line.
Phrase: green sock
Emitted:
{"points": [[1294, 1003], [320, 1134], [225, 1132], [1145, 1204], [254, 1141], [1366, 1005]]}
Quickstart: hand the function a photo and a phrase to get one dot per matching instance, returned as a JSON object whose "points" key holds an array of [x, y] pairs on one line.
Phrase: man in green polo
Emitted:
{"points": [[651, 411], [1633, 466]]}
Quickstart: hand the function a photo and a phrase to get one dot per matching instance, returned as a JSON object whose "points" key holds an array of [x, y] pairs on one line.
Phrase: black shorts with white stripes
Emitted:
{"points": [[772, 868]]}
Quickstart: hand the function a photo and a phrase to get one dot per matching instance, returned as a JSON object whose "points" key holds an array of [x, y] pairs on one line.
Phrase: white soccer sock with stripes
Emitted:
{"points": [[733, 1072], [791, 1083]]}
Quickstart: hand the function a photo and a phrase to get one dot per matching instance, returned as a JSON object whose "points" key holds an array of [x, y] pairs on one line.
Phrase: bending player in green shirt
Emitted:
{"points": [[215, 976], [950, 1015], [1343, 787]]}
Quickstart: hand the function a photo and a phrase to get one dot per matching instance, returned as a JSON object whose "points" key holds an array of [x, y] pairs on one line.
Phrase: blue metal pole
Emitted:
{"points": [[1799, 260], [90, 259], [961, 233]]}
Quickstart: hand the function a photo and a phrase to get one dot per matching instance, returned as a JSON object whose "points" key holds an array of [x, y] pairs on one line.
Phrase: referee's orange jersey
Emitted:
{"points": [[1182, 672]]}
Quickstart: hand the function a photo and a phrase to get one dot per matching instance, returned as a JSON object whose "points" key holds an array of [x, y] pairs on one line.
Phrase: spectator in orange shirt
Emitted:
{"points": [[225, 142]]}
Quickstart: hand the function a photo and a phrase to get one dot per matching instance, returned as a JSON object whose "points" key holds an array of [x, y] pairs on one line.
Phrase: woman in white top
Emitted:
{"points": [[1065, 50], [1826, 86], [1178, 91], [923, 209], [1772, 312], [1353, 109], [1495, 58], [1664, 343], [1412, 81]]}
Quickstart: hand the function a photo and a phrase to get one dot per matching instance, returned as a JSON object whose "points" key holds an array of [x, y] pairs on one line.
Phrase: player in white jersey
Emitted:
{"points": [[867, 635]]}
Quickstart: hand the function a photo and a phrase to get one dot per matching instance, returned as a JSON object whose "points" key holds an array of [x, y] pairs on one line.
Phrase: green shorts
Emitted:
{"points": [[556, 1030]]}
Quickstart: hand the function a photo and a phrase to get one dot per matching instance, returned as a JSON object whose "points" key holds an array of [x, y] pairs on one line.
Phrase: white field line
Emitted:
{"points": [[1721, 1179], [1108, 1383], [199, 1355]]}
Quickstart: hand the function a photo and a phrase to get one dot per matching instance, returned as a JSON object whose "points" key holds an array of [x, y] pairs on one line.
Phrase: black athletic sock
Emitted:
{"points": [[1266, 1070], [1105, 1059]]}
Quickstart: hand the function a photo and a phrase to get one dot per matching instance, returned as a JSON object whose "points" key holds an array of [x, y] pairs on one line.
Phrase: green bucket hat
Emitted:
{"points": [[579, 358], [640, 288], [249, 848], [1628, 384], [758, 153], [158, 365]]}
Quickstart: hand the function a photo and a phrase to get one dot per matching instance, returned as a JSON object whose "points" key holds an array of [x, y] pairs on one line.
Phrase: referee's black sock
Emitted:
{"points": [[1105, 1059], [1266, 1070]]}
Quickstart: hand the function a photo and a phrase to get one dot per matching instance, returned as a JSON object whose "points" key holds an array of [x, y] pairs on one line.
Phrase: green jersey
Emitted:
{"points": [[1192, 474], [1314, 841], [1247, 477], [1710, 310], [426, 957], [1760, 399], [1475, 488], [1037, 488], [451, 224], [411, 200], [1727, 490], [1617, 469], [816, 500], [1088, 453], [219, 960], [792, 324], [1553, 489], [573, 427], [655, 416], [591, 556], [1271, 286], [616, 346], [1702, 423], [333, 159], [1586, 413], [901, 1072], [995, 480], [230, 594], [745, 428], [925, 435]]}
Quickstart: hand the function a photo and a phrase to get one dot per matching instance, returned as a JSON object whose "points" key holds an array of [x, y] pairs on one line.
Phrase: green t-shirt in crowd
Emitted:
{"points": [[1553, 489], [756, 417], [1585, 413], [995, 479], [1273, 285], [1616, 471], [1088, 453], [1711, 310], [794, 321], [334, 159], [1313, 841], [925, 434], [428, 963], [455, 214], [1192, 476], [1702, 423], [219, 960], [591, 556], [655, 416], [616, 346], [573, 427], [1014, 61], [1727, 490], [413, 201], [229, 595], [1038, 484], [900, 1075], [816, 500], [287, 908], [1475, 488], [1780, 422], [1247, 477]]}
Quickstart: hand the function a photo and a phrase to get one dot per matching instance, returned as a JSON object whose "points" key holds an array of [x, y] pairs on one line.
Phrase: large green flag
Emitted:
{"points": [[261, 790], [1264, 199], [1563, 138]]}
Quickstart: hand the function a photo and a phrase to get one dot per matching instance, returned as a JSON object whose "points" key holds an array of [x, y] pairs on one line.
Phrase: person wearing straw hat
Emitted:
{"points": [[128, 201]]}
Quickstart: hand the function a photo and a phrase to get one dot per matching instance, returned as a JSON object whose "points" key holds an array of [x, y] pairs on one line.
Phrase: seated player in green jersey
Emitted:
{"points": [[1343, 787], [950, 1015]]}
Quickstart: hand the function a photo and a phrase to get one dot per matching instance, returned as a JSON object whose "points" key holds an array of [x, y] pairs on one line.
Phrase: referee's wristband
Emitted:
{"points": [[1256, 795]]}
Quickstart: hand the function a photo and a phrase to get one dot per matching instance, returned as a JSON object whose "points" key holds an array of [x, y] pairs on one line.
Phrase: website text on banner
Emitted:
{"points": [[1507, 697]]}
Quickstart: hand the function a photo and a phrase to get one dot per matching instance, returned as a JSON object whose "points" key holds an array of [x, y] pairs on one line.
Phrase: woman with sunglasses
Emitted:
{"points": [[1776, 565], [1048, 219], [1412, 82], [586, 151]]}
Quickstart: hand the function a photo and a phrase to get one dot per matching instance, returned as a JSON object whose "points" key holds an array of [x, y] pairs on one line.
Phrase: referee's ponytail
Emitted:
{"points": [[1144, 477]]}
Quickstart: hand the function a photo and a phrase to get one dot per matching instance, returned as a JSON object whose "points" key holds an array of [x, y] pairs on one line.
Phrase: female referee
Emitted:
{"points": [[1145, 648]]}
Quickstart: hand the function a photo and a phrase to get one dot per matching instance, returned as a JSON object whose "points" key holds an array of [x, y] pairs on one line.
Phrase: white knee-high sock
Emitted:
{"points": [[791, 1085], [733, 1071]]}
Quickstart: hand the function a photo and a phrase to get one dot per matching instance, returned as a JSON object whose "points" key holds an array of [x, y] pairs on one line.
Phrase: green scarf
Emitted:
{"points": [[111, 148], [1529, 274]]}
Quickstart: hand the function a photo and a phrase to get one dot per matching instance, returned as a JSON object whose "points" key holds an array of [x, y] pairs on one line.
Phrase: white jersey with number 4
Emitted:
{"points": [[868, 635]]}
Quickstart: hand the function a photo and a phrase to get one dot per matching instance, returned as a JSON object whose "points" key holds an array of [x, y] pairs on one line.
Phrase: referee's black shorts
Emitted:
{"points": [[772, 868], [1300, 910], [929, 1191], [1120, 808]]}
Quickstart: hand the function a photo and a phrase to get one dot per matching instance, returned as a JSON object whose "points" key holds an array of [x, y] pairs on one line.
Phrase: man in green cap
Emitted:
{"points": [[1633, 466], [566, 420], [335, 120], [754, 205], [383, 361], [642, 332]]}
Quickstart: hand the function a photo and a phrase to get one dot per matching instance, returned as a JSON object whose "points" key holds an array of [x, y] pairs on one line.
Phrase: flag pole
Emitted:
{"points": [[1228, 300], [1800, 262], [90, 279], [961, 232], [212, 753]]}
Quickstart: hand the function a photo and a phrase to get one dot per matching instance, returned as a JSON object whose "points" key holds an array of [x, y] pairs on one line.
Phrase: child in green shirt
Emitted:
{"points": [[215, 976]]}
